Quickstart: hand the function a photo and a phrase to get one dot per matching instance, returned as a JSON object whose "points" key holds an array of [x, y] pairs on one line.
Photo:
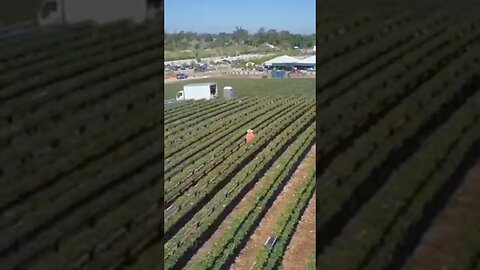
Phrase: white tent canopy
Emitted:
{"points": [[284, 59], [311, 60]]}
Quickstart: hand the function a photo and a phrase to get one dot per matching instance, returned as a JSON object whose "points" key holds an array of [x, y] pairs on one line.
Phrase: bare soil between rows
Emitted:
{"points": [[247, 257], [439, 246], [244, 206], [302, 245]]}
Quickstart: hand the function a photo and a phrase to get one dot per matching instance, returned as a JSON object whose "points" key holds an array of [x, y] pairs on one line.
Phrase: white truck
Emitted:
{"points": [[198, 91], [99, 11]]}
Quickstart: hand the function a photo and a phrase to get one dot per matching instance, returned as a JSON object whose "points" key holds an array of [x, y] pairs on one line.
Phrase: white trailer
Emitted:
{"points": [[99, 11], [198, 91]]}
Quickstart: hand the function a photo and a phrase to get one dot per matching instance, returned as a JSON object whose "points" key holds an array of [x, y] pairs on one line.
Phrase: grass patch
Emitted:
{"points": [[253, 87]]}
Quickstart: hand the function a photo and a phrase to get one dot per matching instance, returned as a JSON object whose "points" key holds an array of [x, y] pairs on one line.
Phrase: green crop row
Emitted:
{"points": [[232, 137], [148, 259], [333, 130], [412, 58], [182, 126], [383, 54], [328, 32], [92, 206], [370, 54], [83, 202], [90, 38], [243, 153], [179, 138], [62, 186], [261, 107], [36, 142], [408, 195], [52, 103], [221, 146], [44, 42], [182, 140], [76, 100], [197, 152], [227, 246], [85, 72], [246, 152], [53, 63], [404, 117], [242, 177], [94, 240], [188, 105], [347, 43], [312, 263], [410, 221], [12, 50], [81, 187], [270, 257], [132, 242], [350, 171], [184, 135], [188, 117], [49, 125], [96, 146]]}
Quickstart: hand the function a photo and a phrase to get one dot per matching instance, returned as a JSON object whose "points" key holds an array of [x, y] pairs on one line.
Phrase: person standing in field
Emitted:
{"points": [[250, 136]]}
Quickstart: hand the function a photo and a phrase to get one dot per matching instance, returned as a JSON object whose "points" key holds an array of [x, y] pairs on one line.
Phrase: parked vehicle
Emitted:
{"points": [[181, 76], [198, 91], [296, 71]]}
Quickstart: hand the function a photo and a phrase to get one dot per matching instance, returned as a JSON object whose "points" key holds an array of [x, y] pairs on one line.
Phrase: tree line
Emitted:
{"points": [[240, 36]]}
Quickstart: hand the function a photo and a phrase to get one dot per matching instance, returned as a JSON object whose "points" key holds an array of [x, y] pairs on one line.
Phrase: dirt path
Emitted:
{"points": [[298, 252], [241, 208], [237, 211], [174, 79], [442, 245], [248, 255]]}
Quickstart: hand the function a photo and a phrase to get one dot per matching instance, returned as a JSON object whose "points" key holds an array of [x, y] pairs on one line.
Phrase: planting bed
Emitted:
{"points": [[80, 145], [399, 129]]}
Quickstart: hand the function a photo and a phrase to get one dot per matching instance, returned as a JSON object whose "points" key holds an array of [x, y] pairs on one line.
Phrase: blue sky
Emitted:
{"points": [[214, 16]]}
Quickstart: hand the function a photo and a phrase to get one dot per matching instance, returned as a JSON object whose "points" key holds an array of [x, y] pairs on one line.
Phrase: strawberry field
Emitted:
{"points": [[399, 128], [85, 181], [80, 145], [210, 170]]}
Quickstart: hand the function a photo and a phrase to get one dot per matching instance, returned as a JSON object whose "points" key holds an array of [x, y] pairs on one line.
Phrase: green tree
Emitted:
{"points": [[240, 34]]}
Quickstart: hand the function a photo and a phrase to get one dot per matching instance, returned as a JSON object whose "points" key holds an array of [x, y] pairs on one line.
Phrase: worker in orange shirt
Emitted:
{"points": [[250, 135]]}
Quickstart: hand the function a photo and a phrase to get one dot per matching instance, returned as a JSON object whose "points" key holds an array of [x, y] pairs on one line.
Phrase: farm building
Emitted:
{"points": [[99, 11]]}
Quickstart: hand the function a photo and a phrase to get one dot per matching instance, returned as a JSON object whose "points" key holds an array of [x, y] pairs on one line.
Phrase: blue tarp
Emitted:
{"points": [[279, 74]]}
